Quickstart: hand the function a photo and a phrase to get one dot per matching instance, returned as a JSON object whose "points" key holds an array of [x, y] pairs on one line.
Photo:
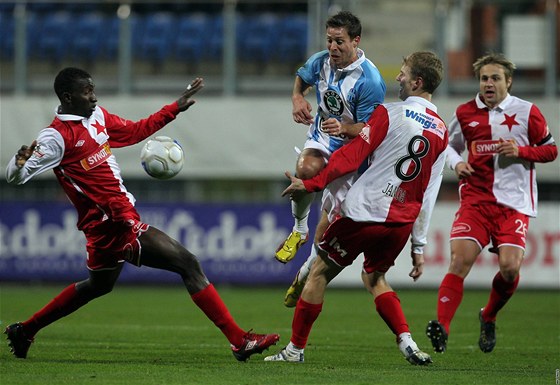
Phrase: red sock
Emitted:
{"points": [[450, 296], [304, 317], [499, 295], [209, 301], [63, 304], [389, 308]]}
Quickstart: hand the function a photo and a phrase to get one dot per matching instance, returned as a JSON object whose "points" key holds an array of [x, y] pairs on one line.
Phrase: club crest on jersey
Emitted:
{"points": [[334, 103], [98, 157]]}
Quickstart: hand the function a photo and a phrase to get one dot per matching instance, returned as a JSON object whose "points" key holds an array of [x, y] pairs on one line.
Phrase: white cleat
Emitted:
{"points": [[286, 356]]}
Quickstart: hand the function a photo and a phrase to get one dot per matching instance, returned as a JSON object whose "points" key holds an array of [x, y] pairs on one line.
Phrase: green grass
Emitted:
{"points": [[156, 335]]}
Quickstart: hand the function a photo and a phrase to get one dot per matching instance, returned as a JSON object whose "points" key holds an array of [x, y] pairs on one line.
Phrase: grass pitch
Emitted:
{"points": [[156, 335]]}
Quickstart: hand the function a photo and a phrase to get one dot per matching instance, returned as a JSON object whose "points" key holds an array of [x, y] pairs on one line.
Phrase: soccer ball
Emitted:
{"points": [[162, 157]]}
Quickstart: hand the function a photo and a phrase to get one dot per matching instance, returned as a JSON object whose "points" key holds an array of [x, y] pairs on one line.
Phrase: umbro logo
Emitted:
{"points": [[444, 299], [80, 143], [251, 345], [473, 124]]}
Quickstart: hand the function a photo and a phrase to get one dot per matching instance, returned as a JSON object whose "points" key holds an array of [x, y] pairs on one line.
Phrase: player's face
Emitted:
{"points": [[82, 100], [493, 84], [342, 49], [407, 84]]}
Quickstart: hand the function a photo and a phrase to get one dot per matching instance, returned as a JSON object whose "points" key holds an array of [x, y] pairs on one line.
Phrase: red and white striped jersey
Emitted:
{"points": [[404, 143], [496, 178], [79, 151]]}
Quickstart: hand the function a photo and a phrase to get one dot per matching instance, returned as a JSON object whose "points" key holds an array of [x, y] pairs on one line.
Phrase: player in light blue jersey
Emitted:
{"points": [[348, 88]]}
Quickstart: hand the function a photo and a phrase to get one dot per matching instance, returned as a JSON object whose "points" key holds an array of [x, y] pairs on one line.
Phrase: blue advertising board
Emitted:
{"points": [[235, 243]]}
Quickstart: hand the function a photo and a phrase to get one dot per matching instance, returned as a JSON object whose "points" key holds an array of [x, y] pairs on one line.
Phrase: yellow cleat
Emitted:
{"points": [[287, 251], [294, 291]]}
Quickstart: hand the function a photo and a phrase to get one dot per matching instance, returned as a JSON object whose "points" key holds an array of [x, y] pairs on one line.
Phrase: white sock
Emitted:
{"points": [[300, 212], [407, 346], [306, 267], [293, 349]]}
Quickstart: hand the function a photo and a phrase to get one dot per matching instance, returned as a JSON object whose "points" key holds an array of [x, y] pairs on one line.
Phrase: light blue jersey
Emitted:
{"points": [[349, 94]]}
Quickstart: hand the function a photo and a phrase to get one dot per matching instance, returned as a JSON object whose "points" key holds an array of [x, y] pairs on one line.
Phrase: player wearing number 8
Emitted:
{"points": [[404, 145]]}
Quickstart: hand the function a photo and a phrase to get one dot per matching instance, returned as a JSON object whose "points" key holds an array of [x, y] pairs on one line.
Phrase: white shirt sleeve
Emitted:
{"points": [[456, 144], [47, 155], [420, 227]]}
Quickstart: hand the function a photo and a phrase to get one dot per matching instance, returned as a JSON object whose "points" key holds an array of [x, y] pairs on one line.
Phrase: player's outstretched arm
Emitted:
{"points": [[185, 101]]}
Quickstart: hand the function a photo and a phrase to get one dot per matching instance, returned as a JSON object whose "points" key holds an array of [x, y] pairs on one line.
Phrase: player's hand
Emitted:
{"points": [[296, 187], [418, 266], [508, 148], [185, 101], [25, 153], [331, 127], [301, 110], [463, 170]]}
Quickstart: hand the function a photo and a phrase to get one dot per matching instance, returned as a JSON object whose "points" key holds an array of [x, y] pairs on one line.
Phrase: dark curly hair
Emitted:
{"points": [[67, 78]]}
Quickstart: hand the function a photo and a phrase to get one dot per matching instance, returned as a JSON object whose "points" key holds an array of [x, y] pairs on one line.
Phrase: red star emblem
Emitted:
{"points": [[100, 127], [510, 121]]}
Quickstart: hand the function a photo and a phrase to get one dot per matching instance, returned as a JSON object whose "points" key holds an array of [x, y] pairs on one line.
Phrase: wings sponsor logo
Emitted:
{"points": [[428, 122], [98, 157], [486, 147]]}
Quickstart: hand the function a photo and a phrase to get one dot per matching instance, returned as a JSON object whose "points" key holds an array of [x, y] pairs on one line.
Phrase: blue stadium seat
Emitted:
{"points": [[191, 38], [256, 36], [52, 36], [110, 45], [291, 46], [158, 32], [7, 31], [87, 40], [214, 50]]}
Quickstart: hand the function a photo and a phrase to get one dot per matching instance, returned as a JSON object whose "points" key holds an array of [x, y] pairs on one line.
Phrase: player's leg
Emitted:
{"points": [[450, 294], [294, 291], [309, 163], [100, 282], [308, 308], [160, 251], [388, 305], [504, 285]]}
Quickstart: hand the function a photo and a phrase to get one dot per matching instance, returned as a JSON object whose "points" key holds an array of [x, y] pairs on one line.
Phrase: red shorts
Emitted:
{"points": [[490, 222], [381, 243], [112, 243]]}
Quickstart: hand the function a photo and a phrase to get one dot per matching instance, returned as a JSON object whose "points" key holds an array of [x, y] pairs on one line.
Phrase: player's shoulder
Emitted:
{"points": [[516, 102]]}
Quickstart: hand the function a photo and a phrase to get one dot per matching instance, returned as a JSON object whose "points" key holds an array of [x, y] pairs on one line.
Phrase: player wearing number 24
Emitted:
{"points": [[404, 145], [505, 137]]}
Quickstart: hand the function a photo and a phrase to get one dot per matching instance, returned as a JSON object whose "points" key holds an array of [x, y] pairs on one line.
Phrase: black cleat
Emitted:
{"points": [[17, 340], [437, 334], [487, 339]]}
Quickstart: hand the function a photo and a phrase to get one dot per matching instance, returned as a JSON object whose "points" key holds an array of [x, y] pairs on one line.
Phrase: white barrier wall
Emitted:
{"points": [[541, 265], [223, 137]]}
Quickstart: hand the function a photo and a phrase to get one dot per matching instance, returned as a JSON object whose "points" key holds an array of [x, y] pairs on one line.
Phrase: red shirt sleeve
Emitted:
{"points": [[349, 157], [123, 132], [542, 148]]}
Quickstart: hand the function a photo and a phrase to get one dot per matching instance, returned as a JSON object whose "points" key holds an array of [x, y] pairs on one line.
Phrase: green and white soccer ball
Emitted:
{"points": [[162, 157]]}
